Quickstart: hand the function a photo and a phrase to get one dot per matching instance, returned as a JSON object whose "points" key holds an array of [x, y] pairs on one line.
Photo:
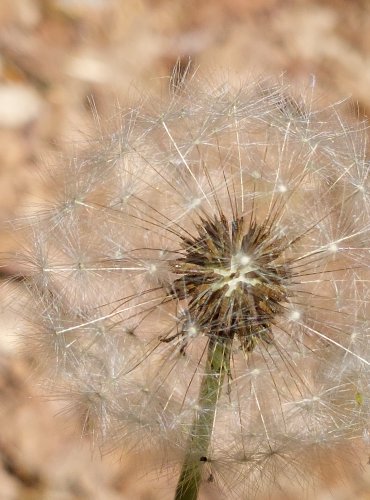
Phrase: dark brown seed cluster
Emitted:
{"points": [[234, 279]]}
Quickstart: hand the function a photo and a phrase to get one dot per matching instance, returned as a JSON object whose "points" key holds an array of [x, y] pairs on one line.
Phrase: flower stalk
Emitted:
{"points": [[217, 366]]}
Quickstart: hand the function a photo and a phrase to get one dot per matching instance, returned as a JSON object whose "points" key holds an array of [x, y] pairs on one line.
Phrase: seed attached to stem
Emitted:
{"points": [[234, 278]]}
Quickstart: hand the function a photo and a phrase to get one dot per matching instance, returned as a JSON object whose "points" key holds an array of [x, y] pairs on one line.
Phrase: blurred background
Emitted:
{"points": [[61, 63]]}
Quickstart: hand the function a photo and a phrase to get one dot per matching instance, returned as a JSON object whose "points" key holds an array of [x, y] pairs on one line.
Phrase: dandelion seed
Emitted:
{"points": [[202, 285]]}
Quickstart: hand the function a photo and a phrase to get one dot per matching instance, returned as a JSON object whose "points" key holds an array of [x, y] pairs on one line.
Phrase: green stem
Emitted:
{"points": [[217, 365]]}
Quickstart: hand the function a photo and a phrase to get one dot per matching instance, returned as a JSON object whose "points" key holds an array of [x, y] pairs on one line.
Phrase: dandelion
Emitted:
{"points": [[201, 285]]}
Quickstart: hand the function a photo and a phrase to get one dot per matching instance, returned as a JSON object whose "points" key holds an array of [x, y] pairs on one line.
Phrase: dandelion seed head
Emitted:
{"points": [[232, 217]]}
